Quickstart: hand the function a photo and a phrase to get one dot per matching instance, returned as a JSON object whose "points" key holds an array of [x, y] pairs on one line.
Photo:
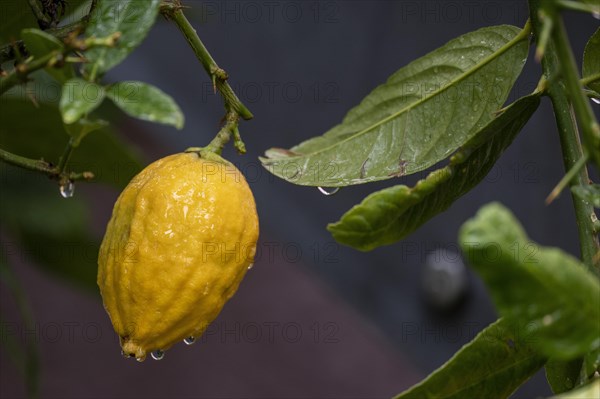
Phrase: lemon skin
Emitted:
{"points": [[181, 237]]}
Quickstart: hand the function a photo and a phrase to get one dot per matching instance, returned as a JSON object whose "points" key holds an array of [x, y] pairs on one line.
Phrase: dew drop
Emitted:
{"points": [[596, 100], [250, 266], [328, 191], [67, 190], [189, 340], [139, 359], [157, 355]]}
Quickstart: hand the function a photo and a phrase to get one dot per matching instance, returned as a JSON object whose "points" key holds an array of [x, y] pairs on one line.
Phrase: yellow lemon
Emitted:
{"points": [[181, 237]]}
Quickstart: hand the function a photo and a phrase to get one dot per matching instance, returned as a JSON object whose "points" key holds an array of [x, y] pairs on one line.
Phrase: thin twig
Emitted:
{"points": [[64, 159], [20, 73], [7, 51], [42, 20], [567, 178], [39, 165], [173, 10]]}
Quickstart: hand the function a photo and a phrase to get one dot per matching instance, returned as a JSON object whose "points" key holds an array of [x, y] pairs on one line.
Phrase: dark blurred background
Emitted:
{"points": [[312, 319]]}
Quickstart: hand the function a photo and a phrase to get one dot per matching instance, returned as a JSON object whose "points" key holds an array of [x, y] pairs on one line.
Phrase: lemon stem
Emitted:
{"points": [[229, 130]]}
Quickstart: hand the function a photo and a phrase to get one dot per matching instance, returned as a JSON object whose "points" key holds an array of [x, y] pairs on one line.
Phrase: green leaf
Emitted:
{"points": [[563, 375], [589, 391], [75, 10], [550, 294], [589, 193], [493, 365], [133, 18], [43, 136], [591, 365], [420, 116], [78, 98], [144, 101], [39, 44], [591, 60], [82, 128], [391, 214]]}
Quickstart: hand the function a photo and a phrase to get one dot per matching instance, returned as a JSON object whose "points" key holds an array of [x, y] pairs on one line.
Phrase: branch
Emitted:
{"points": [[42, 20], [20, 73], [7, 51], [173, 10], [39, 165], [583, 110], [572, 151]]}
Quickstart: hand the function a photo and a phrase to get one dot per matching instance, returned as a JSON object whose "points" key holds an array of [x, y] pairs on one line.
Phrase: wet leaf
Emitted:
{"points": [[133, 18], [589, 391], [144, 101], [591, 60], [547, 292], [591, 365], [493, 365], [78, 98], [563, 375], [391, 214], [39, 44], [420, 116]]}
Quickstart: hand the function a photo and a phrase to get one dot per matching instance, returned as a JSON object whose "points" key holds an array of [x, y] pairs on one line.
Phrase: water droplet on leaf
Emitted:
{"points": [[157, 355], [328, 191], [67, 190], [596, 100], [189, 340], [250, 266]]}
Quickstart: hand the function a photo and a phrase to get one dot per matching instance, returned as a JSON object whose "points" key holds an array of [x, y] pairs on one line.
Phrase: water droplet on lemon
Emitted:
{"points": [[157, 355]]}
